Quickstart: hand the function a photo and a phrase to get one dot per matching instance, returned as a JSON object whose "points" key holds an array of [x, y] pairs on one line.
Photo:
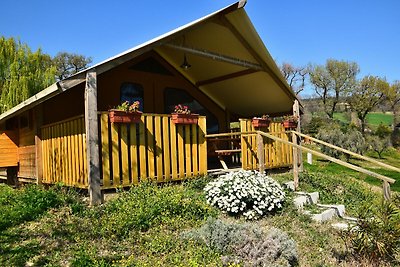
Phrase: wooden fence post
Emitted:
{"points": [[92, 138], [386, 190], [295, 162], [260, 153]]}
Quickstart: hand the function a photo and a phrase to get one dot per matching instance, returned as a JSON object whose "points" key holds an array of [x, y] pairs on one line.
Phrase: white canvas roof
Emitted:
{"points": [[229, 63]]}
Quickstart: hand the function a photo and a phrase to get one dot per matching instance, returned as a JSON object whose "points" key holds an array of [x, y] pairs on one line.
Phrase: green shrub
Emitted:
{"points": [[29, 203], [248, 193], [349, 138], [148, 205], [383, 131], [376, 235], [338, 189], [313, 125], [378, 144], [247, 244]]}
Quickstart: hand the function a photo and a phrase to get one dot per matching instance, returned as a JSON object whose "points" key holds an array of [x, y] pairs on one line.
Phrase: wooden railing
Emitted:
{"points": [[64, 153], [154, 149], [386, 181]]}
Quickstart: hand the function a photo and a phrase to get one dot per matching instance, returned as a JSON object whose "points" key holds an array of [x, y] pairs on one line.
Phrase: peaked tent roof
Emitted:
{"points": [[230, 64]]}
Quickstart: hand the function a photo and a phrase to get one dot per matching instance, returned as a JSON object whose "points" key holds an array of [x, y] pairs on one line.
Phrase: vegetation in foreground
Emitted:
{"points": [[149, 225]]}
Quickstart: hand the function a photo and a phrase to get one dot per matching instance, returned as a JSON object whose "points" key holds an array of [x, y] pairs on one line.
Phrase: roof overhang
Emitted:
{"points": [[230, 64]]}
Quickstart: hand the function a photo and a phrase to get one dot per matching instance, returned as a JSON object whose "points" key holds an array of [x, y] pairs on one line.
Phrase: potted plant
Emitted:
{"points": [[290, 121], [126, 113], [262, 121], [183, 115]]}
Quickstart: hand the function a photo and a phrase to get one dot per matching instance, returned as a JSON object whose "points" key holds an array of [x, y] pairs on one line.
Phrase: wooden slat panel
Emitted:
{"points": [[158, 148], [166, 148], [150, 146], [174, 152], [85, 160], [115, 155], [105, 151], [75, 153], [82, 156], [243, 144], [181, 152], [202, 146], [134, 151], [188, 152], [195, 156], [142, 150], [68, 150], [124, 155]]}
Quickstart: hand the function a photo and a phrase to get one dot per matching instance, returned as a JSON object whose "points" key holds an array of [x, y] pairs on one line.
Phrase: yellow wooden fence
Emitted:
{"points": [[155, 149], [64, 153], [276, 155]]}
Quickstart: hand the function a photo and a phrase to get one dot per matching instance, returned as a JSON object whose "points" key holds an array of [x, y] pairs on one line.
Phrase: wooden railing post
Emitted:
{"points": [[386, 190], [296, 113], [295, 162], [260, 153], [92, 138]]}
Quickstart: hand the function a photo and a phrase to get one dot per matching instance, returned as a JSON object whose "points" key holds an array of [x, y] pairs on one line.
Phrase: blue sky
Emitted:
{"points": [[298, 32]]}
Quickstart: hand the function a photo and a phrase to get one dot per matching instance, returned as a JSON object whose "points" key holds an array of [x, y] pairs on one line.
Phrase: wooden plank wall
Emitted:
{"points": [[155, 149], [64, 153], [276, 154], [27, 153], [8, 149]]}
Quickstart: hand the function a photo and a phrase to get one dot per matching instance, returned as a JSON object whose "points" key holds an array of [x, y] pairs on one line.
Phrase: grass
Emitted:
{"points": [[143, 226], [373, 118]]}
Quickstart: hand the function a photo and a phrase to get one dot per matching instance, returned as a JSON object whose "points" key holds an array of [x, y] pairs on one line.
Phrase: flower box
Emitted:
{"points": [[260, 122], [120, 116], [288, 124], [178, 118]]}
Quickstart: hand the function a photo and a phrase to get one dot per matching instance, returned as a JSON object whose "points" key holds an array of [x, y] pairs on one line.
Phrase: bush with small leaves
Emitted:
{"points": [[350, 139], [378, 144], [248, 193], [247, 244]]}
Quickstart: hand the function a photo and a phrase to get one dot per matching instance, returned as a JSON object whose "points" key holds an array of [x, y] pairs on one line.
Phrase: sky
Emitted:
{"points": [[297, 32]]}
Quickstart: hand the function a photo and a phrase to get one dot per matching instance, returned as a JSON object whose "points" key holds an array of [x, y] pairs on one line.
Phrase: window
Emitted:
{"points": [[132, 92], [174, 96]]}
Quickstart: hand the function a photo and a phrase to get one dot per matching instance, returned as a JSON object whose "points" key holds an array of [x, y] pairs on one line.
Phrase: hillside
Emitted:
{"points": [[144, 226]]}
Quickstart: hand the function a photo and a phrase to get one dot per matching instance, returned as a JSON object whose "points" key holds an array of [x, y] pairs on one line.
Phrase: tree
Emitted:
{"points": [[333, 82], [367, 95], [23, 73], [68, 64], [393, 98], [295, 76]]}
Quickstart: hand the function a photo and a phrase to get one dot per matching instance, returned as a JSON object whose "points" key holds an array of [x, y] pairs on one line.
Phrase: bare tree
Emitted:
{"points": [[68, 64], [333, 81], [295, 76]]}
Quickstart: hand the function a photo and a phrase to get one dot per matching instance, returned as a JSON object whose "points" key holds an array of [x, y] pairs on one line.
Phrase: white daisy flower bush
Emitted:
{"points": [[248, 193]]}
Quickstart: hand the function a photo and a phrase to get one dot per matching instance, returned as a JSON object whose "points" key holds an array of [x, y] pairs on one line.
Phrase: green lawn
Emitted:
{"points": [[373, 118], [144, 226], [376, 118]]}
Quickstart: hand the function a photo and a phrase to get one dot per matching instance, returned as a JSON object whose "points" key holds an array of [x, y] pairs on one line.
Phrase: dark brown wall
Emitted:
{"points": [[63, 106], [109, 84]]}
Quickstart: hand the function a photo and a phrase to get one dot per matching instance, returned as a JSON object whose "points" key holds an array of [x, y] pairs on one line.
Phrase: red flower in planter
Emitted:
{"points": [[126, 113]]}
